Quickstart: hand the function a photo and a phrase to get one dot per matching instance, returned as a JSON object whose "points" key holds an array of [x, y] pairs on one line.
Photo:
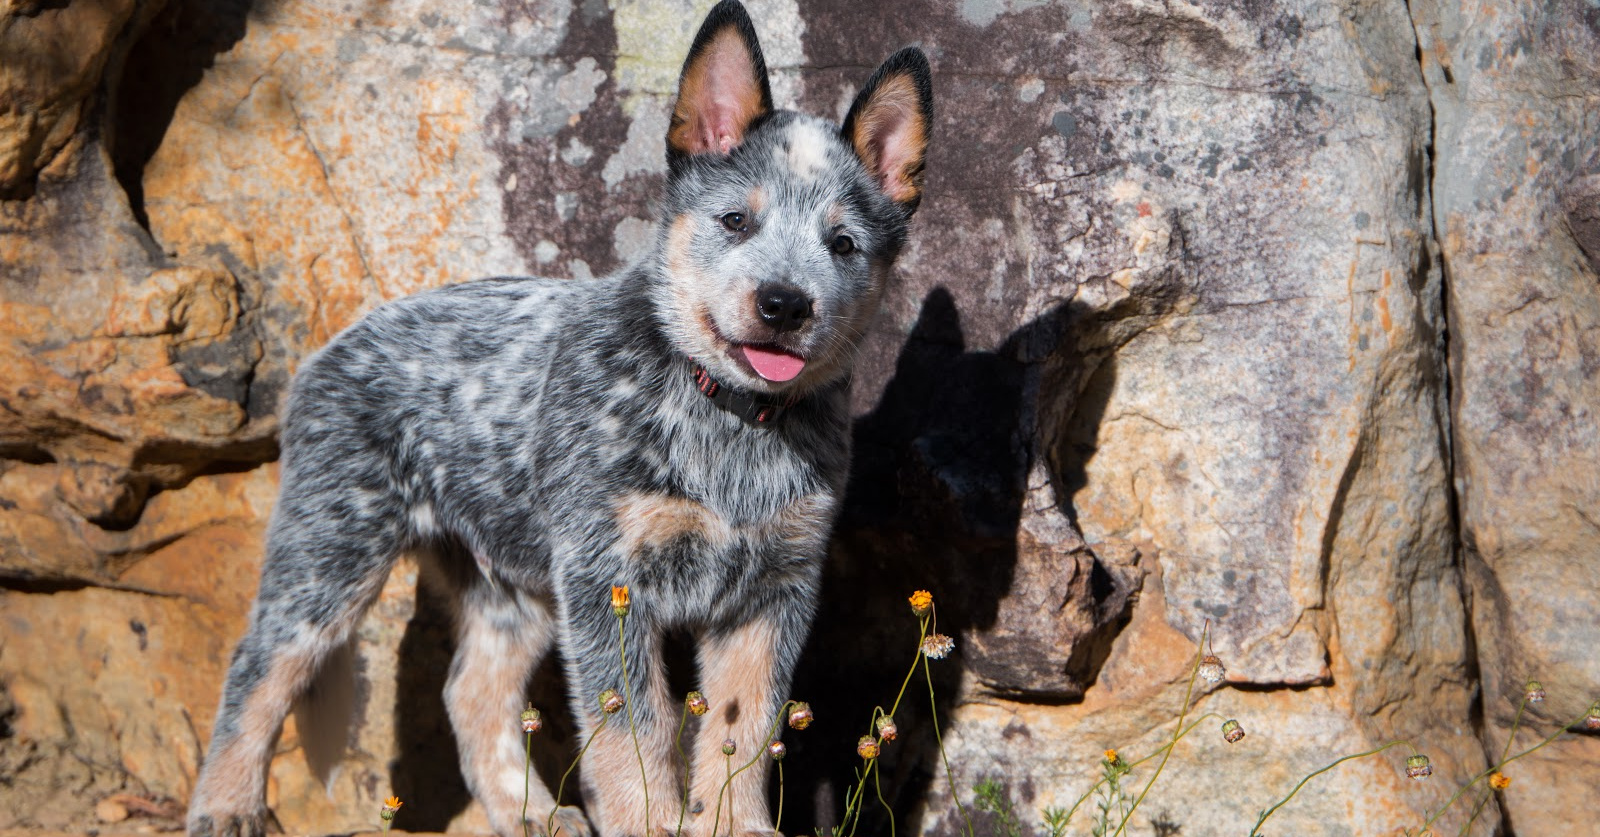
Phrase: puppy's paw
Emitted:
{"points": [[569, 821], [227, 824]]}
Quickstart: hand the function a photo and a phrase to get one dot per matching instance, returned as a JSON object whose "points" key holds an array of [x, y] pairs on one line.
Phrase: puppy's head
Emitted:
{"points": [[780, 228]]}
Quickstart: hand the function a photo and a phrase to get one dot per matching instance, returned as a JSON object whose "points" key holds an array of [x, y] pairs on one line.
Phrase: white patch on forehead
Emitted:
{"points": [[807, 150]]}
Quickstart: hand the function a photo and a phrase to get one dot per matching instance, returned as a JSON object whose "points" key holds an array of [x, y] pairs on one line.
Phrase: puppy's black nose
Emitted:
{"points": [[783, 307]]}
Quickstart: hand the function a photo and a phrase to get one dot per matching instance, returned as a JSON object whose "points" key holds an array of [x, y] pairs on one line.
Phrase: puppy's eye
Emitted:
{"points": [[735, 222], [843, 245]]}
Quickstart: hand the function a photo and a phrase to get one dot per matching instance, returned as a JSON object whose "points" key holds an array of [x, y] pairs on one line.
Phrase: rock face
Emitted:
{"points": [[1269, 322], [1517, 190]]}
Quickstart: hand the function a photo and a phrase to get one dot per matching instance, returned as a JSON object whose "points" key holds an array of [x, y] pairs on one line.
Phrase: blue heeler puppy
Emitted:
{"points": [[680, 428]]}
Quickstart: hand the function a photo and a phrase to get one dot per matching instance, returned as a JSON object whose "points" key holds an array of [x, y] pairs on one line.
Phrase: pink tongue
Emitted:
{"points": [[774, 365]]}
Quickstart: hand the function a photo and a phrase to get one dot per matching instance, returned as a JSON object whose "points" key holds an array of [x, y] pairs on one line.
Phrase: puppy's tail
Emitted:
{"points": [[325, 715]]}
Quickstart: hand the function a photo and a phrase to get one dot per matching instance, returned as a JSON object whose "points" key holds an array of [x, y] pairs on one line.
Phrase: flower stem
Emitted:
{"points": [[877, 785], [949, 773], [550, 824], [1513, 734], [527, 771], [1503, 762], [627, 695], [1336, 762], [716, 821], [1132, 764], [778, 824], [1189, 692], [683, 719]]}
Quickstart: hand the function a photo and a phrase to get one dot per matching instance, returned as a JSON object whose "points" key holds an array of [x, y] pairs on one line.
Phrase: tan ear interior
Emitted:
{"points": [[891, 137], [718, 97]]}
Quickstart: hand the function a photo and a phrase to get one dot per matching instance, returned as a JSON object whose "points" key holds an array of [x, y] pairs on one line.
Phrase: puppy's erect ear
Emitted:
{"points": [[723, 89], [889, 122]]}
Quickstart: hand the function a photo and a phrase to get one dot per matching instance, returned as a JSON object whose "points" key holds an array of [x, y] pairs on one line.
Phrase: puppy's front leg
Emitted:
{"points": [[614, 786], [744, 671]]}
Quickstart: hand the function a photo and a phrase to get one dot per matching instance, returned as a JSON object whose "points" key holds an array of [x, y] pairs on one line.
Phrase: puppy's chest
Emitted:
{"points": [[664, 527]]}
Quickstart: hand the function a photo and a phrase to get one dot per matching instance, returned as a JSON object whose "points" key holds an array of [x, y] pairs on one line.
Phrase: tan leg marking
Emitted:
{"points": [[736, 676], [233, 779], [611, 767], [484, 699]]}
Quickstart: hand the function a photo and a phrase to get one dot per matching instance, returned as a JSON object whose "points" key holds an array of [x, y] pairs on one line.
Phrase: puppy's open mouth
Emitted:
{"points": [[772, 363]]}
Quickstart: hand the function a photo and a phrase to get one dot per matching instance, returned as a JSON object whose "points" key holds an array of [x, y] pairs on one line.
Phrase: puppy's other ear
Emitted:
{"points": [[723, 89], [889, 122]]}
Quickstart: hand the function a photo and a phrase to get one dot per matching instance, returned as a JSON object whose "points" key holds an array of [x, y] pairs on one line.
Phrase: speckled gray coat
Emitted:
{"points": [[544, 441]]}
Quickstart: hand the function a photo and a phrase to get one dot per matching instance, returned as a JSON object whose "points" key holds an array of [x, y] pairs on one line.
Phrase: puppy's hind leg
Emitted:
{"points": [[501, 636], [320, 574]]}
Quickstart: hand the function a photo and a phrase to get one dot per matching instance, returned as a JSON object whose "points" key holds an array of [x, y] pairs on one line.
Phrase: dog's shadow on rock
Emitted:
{"points": [[938, 479], [937, 483]]}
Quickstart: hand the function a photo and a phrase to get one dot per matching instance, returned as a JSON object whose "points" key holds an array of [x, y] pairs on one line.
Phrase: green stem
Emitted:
{"points": [[728, 767], [950, 776], [1284, 801], [855, 802], [683, 759], [1132, 764], [1503, 762], [550, 823], [1476, 809], [877, 785], [627, 701], [1189, 692], [1512, 736], [778, 825], [527, 770]]}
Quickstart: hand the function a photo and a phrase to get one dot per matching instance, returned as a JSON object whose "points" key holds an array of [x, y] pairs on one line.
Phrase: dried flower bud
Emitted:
{"points": [[867, 747], [611, 702], [937, 646], [1592, 720], [1535, 691], [1499, 781], [531, 720], [777, 751], [697, 703], [886, 728], [1232, 732], [800, 715], [619, 600], [921, 603], [1211, 669], [729, 747], [1417, 767]]}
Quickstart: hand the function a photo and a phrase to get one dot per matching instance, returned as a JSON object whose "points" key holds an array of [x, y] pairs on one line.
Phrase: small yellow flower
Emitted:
{"points": [[867, 747], [1111, 757], [390, 806], [697, 704], [1499, 781], [800, 715], [921, 602], [619, 600], [392, 802]]}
